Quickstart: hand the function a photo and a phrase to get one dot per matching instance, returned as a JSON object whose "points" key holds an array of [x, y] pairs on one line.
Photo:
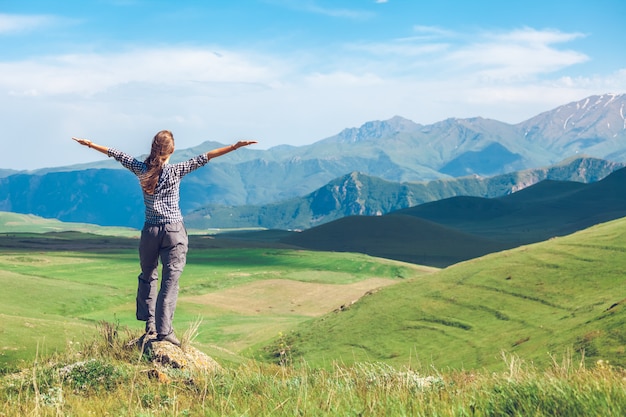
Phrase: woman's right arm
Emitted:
{"points": [[126, 160], [90, 144]]}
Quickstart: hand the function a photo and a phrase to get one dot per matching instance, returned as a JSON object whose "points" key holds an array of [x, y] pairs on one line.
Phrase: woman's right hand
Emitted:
{"points": [[84, 142]]}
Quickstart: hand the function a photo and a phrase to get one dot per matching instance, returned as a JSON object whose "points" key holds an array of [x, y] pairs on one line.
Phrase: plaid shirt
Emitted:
{"points": [[162, 206]]}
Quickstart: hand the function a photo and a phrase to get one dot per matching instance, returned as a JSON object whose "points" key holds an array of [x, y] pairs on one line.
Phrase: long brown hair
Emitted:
{"points": [[162, 148]]}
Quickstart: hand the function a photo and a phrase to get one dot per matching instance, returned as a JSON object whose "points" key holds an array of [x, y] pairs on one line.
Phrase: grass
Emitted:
{"points": [[530, 301], [479, 338], [533, 301], [105, 377], [50, 296], [28, 223], [401, 237]]}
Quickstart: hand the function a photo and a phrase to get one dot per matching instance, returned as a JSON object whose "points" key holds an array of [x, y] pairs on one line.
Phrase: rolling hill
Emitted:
{"points": [[467, 227], [545, 210], [549, 301], [399, 237], [533, 301], [28, 223]]}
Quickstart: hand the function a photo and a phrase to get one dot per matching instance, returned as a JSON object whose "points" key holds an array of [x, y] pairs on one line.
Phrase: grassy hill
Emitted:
{"points": [[451, 230], [565, 293], [399, 237], [25, 223], [534, 301], [539, 212], [57, 286], [498, 335]]}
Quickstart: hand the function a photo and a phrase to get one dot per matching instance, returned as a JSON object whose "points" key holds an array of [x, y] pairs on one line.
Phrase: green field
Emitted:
{"points": [[565, 294], [25, 223], [535, 301], [537, 330], [243, 295]]}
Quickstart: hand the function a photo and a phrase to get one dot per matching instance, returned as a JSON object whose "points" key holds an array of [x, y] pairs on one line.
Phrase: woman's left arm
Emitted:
{"points": [[226, 149]]}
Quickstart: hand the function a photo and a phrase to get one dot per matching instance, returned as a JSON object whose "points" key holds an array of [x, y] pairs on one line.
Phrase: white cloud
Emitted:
{"points": [[508, 57], [400, 47], [88, 74], [11, 23], [122, 98], [428, 32], [541, 37], [484, 57], [310, 6], [517, 55]]}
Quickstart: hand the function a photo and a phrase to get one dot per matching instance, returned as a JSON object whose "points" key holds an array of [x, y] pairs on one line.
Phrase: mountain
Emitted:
{"points": [[593, 126], [7, 172], [361, 194], [545, 210], [396, 150], [489, 159], [454, 229]]}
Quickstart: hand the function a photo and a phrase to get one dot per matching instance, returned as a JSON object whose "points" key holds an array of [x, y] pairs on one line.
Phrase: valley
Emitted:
{"points": [[331, 304]]}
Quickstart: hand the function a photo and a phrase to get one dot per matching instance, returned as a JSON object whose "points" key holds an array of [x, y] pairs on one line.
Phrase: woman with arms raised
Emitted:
{"points": [[163, 235]]}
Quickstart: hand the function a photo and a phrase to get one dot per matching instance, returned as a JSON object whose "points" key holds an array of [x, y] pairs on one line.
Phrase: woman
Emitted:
{"points": [[163, 235]]}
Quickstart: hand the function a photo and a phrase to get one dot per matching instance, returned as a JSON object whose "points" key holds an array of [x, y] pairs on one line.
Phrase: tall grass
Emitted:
{"points": [[191, 333], [107, 377]]}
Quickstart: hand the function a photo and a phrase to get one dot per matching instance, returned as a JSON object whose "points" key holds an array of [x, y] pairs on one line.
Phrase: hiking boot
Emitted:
{"points": [[150, 328], [169, 338]]}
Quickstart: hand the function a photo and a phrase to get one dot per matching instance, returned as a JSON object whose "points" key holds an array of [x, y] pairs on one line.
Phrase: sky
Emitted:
{"points": [[286, 71]]}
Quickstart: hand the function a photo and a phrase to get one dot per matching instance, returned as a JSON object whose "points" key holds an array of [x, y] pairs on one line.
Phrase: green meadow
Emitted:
{"points": [[535, 302], [243, 295], [25, 223], [535, 330]]}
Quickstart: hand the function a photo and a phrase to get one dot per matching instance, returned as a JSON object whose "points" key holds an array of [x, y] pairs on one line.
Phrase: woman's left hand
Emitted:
{"points": [[244, 143]]}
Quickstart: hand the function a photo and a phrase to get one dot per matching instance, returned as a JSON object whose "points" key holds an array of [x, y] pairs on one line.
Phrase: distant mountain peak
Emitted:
{"points": [[592, 125], [377, 129], [593, 106], [586, 112]]}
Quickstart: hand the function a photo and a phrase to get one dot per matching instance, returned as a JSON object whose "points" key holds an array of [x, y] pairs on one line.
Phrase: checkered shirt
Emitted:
{"points": [[162, 207]]}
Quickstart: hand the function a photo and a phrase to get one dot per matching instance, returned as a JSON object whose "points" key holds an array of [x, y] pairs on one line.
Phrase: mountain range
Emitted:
{"points": [[451, 230], [379, 152], [360, 194]]}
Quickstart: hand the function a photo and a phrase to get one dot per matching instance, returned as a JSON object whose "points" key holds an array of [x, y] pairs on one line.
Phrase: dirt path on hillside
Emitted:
{"points": [[279, 296]]}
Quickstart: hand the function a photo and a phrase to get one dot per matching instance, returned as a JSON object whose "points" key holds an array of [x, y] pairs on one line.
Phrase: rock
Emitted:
{"points": [[167, 355], [159, 375]]}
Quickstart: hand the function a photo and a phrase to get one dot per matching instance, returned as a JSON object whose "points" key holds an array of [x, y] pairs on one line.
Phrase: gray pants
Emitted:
{"points": [[170, 243]]}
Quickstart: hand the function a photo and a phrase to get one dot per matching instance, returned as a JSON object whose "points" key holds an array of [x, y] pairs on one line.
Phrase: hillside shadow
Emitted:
{"points": [[455, 229]]}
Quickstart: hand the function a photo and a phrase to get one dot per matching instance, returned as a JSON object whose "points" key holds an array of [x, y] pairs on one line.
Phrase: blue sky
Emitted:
{"points": [[286, 71]]}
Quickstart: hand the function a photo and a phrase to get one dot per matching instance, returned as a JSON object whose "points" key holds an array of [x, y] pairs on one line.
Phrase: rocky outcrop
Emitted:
{"points": [[165, 356]]}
